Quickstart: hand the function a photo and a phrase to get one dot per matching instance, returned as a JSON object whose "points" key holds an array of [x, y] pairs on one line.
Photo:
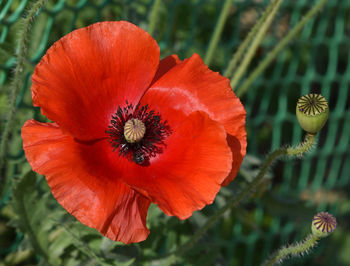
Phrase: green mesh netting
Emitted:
{"points": [[317, 61]]}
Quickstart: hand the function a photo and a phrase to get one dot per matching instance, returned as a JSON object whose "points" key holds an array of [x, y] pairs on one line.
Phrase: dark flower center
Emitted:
{"points": [[137, 133]]}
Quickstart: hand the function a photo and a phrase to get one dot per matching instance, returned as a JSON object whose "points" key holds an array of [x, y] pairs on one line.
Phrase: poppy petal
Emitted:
{"points": [[88, 73], [238, 146], [189, 173], [165, 65], [192, 86], [104, 203]]}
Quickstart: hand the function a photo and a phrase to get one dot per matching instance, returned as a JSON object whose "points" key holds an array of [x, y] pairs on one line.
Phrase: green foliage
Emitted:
{"points": [[54, 235], [244, 235], [31, 213]]}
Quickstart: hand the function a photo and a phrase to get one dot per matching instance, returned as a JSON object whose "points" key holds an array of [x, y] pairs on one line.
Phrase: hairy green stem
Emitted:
{"points": [[293, 250], [303, 147], [6, 54], [281, 45], [254, 45], [17, 79], [154, 16], [218, 31], [243, 46], [284, 151]]}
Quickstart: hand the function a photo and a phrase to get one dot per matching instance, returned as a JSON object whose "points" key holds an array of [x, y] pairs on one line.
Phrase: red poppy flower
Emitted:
{"points": [[130, 130]]}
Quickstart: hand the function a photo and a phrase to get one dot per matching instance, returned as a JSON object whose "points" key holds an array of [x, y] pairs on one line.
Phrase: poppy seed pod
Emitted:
{"points": [[323, 224], [312, 112]]}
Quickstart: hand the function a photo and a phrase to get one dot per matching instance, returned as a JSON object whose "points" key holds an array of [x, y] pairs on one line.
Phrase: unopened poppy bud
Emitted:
{"points": [[323, 224], [134, 130], [312, 112]]}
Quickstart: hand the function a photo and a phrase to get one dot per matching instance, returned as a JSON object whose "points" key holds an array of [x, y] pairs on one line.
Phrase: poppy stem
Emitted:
{"points": [[280, 46], [323, 224], [255, 43], [17, 78], [298, 150], [305, 146], [295, 249], [154, 16], [248, 39], [218, 31]]}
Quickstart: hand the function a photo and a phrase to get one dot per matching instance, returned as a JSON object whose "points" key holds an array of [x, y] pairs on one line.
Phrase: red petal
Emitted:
{"points": [[104, 203], [165, 65], [189, 173], [87, 74], [238, 145], [191, 86]]}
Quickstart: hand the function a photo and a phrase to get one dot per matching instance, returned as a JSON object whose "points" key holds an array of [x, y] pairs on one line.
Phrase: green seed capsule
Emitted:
{"points": [[312, 112], [134, 130]]}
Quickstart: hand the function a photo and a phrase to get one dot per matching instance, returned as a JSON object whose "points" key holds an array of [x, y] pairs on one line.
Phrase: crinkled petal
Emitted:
{"points": [[191, 86], [88, 73], [165, 65], [102, 202], [237, 144], [189, 173]]}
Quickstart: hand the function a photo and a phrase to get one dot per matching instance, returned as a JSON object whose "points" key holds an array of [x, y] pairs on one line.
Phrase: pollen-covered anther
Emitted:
{"points": [[323, 224], [134, 130]]}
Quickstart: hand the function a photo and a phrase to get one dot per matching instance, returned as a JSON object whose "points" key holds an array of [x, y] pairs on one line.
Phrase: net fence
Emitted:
{"points": [[318, 61]]}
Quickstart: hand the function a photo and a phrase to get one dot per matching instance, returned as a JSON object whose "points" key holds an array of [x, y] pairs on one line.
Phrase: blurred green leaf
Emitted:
{"points": [[30, 212]]}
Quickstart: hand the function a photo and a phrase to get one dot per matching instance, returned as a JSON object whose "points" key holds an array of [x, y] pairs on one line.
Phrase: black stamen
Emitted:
{"points": [[152, 142]]}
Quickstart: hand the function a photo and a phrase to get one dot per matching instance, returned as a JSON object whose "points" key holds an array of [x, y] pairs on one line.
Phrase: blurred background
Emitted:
{"points": [[35, 229]]}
